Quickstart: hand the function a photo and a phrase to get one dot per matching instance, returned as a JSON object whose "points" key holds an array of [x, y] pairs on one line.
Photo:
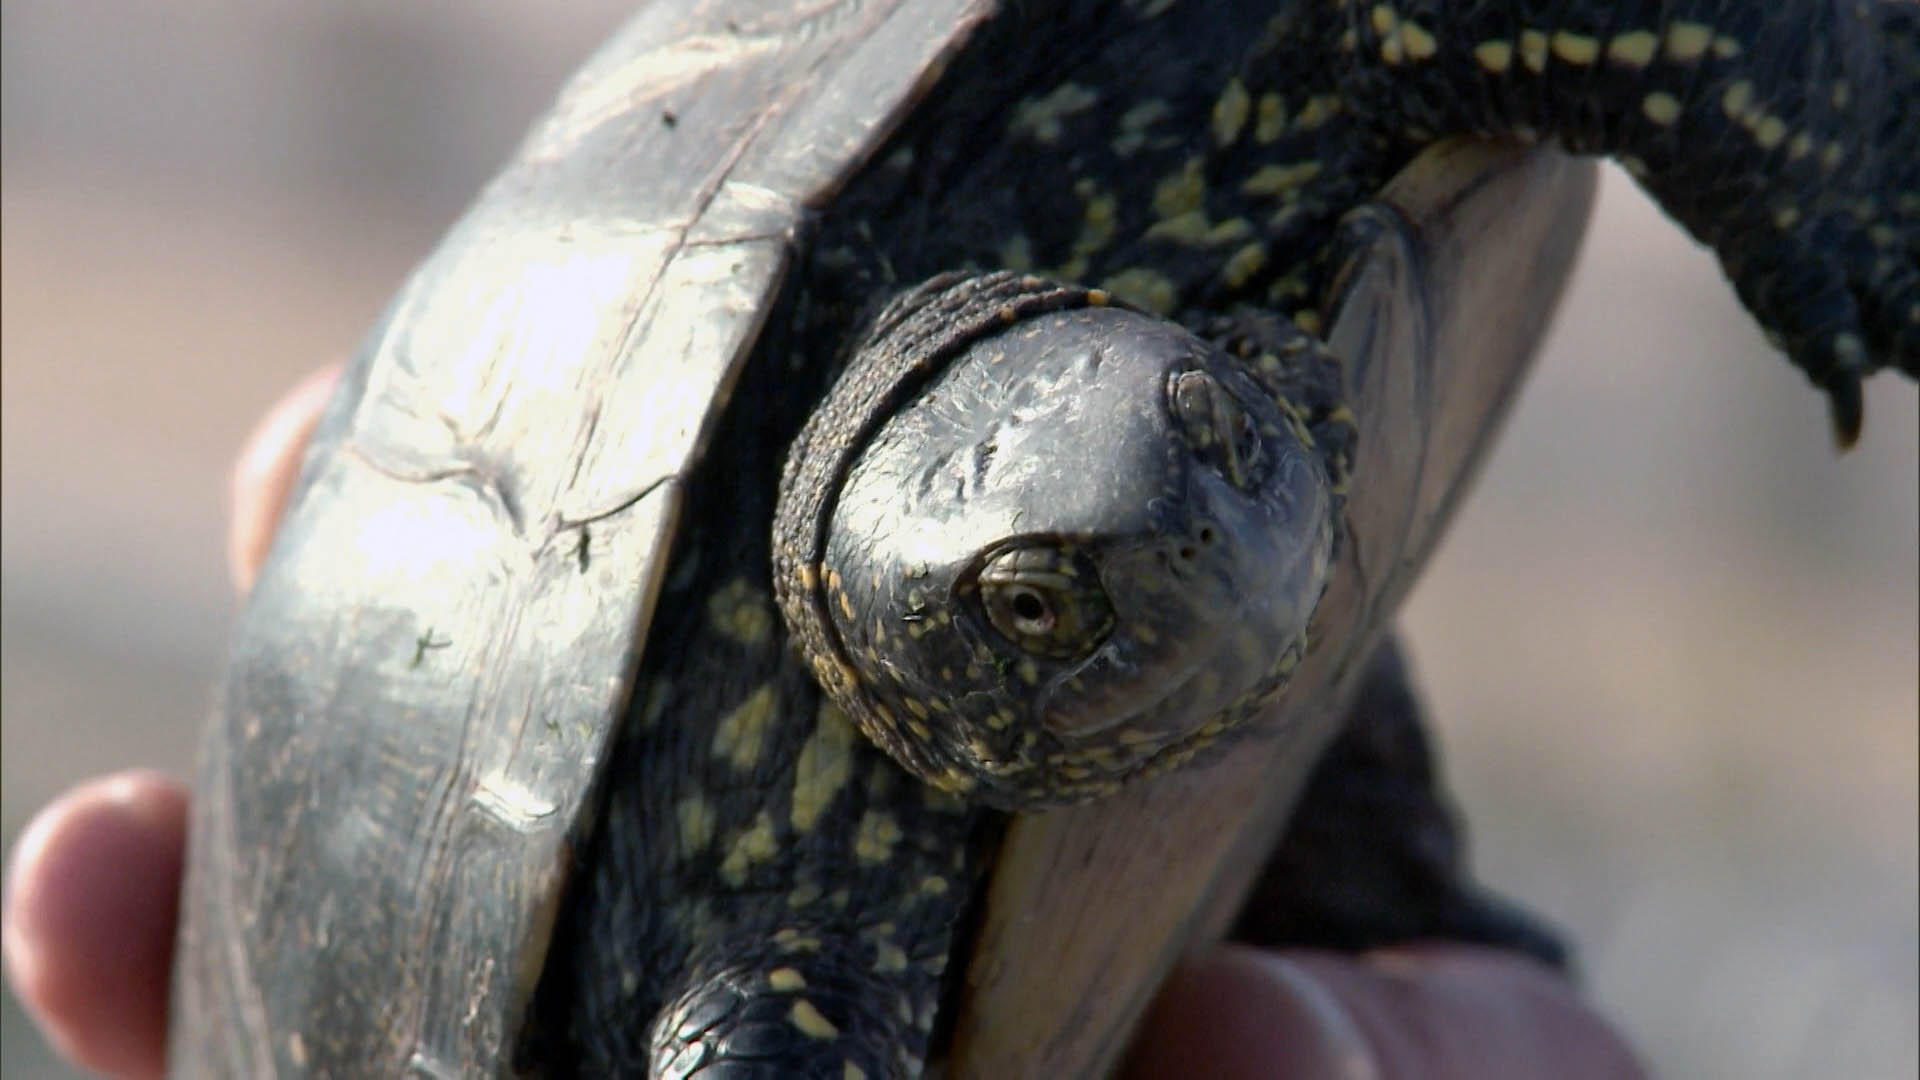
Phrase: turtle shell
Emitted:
{"points": [[428, 672]]}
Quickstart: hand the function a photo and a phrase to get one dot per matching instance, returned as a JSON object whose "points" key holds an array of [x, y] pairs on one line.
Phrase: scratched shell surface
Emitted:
{"points": [[429, 667]]}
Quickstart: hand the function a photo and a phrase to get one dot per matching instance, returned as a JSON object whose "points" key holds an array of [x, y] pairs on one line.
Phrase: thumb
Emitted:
{"points": [[1432, 1011]]}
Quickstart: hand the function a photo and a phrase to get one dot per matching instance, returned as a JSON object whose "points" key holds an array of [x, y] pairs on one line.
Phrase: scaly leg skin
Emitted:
{"points": [[1374, 855], [745, 1023], [1784, 135]]}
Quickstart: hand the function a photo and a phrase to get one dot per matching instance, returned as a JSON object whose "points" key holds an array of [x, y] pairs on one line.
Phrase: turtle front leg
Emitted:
{"points": [[1374, 855], [1784, 135], [799, 1012]]}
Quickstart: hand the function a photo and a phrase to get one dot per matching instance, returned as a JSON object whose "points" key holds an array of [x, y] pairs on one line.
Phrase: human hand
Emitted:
{"points": [[92, 897], [93, 885]]}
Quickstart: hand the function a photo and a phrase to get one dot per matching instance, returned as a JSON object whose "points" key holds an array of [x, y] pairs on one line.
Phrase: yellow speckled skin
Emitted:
{"points": [[767, 893], [1784, 136]]}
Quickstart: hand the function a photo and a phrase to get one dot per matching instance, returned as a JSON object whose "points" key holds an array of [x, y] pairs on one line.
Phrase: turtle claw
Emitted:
{"points": [[1845, 359], [1848, 409], [1836, 364], [1828, 321]]}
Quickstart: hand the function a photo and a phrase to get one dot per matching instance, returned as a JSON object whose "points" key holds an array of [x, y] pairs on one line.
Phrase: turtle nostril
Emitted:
{"points": [[1187, 553], [1207, 535]]}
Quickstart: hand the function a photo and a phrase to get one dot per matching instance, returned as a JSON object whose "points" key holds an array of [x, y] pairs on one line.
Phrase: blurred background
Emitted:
{"points": [[1671, 643]]}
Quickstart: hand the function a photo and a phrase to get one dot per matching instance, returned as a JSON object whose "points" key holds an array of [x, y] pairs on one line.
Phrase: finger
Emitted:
{"points": [[1438, 1012], [269, 464], [89, 917]]}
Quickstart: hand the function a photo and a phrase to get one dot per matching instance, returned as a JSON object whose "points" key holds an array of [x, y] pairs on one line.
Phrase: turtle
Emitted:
{"points": [[865, 474]]}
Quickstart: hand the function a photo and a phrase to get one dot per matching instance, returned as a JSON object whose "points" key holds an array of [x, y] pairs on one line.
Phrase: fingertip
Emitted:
{"points": [[1242, 1013], [1432, 1011], [264, 474], [91, 898], [1446, 1010]]}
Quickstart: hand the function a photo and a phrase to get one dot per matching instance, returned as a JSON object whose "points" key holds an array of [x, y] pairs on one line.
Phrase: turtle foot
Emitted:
{"points": [[788, 1020]]}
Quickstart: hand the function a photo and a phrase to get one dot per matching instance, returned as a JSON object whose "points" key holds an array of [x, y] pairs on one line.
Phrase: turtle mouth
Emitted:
{"points": [[1189, 708], [1121, 701], [1212, 608], [1164, 714], [1134, 701]]}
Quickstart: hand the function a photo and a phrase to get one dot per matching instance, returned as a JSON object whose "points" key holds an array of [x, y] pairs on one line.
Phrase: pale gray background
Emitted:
{"points": [[1671, 643]]}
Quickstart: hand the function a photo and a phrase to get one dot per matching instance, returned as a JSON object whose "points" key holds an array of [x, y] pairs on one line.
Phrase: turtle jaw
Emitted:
{"points": [[1206, 620]]}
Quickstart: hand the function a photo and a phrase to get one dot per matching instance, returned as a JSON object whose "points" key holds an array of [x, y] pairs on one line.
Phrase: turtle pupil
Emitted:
{"points": [[1028, 607]]}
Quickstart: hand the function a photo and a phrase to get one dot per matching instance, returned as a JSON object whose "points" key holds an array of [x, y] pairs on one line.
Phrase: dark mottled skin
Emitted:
{"points": [[1188, 164]]}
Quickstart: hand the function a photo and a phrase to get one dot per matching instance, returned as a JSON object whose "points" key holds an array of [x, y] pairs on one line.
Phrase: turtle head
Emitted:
{"points": [[1082, 547]]}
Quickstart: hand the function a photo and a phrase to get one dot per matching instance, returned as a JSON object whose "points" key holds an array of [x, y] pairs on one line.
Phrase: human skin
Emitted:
{"points": [[93, 884]]}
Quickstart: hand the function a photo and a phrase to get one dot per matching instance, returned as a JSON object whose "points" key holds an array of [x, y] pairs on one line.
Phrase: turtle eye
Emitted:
{"points": [[1028, 611], [1045, 601]]}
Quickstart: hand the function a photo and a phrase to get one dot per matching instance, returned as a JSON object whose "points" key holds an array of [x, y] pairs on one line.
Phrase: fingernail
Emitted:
{"points": [[1344, 1046], [264, 475]]}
